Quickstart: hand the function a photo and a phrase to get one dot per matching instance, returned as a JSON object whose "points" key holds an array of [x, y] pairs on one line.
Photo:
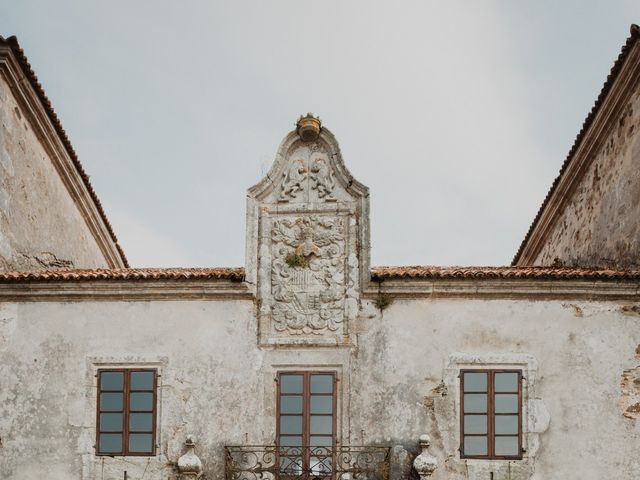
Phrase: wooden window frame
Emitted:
{"points": [[491, 435], [306, 415], [126, 411]]}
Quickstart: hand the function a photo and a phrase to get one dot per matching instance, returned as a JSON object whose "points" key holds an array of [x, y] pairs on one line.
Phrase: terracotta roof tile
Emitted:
{"points": [[538, 273], [234, 274], [377, 274], [12, 42], [611, 78]]}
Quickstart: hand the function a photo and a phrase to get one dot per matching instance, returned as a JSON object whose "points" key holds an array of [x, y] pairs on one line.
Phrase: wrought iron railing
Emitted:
{"points": [[306, 463]]}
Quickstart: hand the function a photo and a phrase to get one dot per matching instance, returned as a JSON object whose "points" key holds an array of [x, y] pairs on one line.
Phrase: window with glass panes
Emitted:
{"points": [[306, 425], [126, 420], [491, 414]]}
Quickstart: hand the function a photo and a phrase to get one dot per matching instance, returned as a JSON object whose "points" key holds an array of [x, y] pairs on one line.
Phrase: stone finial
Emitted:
{"points": [[425, 463], [189, 465], [308, 127]]}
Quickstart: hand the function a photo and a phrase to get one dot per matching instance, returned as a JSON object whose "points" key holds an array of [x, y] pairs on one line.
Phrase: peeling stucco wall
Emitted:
{"points": [[599, 225], [40, 225], [399, 382], [630, 389]]}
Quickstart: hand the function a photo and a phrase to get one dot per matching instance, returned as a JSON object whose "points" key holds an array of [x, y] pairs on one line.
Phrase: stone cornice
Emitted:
{"points": [[36, 113], [620, 85], [521, 289], [222, 289], [125, 290]]}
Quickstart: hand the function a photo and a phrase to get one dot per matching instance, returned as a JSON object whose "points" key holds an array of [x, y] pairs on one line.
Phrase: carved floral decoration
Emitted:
{"points": [[308, 299]]}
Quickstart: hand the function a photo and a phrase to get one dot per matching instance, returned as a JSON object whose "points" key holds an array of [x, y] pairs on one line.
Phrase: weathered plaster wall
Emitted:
{"points": [[399, 382], [599, 225], [40, 225]]}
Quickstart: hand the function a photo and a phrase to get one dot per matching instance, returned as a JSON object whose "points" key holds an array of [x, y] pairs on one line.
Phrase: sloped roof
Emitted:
{"points": [[606, 88], [72, 275], [12, 42], [538, 273], [377, 274]]}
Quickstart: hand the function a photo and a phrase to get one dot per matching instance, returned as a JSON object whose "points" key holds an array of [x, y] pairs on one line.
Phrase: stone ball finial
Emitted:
{"points": [[189, 464], [425, 463], [308, 127]]}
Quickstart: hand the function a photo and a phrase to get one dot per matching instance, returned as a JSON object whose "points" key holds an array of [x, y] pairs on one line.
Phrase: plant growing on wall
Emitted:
{"points": [[295, 260]]}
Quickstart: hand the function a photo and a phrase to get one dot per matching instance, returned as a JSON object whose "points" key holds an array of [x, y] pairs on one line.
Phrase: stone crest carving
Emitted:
{"points": [[322, 178], [307, 242], [294, 180], [309, 291]]}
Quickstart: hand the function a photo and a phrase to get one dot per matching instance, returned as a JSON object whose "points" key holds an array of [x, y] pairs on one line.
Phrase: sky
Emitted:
{"points": [[456, 114]]}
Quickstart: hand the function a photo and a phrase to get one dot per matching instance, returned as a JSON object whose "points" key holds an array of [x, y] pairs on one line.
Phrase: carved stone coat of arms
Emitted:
{"points": [[307, 274]]}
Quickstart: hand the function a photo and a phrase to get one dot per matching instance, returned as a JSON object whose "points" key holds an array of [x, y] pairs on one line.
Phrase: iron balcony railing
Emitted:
{"points": [[306, 463]]}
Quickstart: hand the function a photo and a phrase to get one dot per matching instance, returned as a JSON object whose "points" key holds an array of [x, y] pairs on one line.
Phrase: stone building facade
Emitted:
{"points": [[308, 363]]}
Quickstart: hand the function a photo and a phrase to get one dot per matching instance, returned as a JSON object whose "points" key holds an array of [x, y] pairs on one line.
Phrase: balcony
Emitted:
{"points": [[306, 463]]}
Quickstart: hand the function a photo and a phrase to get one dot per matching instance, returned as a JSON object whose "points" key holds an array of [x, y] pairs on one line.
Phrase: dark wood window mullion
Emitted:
{"points": [[125, 416], [491, 420], [520, 400], [154, 412], [306, 418]]}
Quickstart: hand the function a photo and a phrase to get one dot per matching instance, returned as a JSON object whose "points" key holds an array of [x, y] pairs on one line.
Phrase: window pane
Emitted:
{"points": [[290, 404], [290, 441], [291, 383], [475, 424], [506, 403], [506, 424], [142, 380], [110, 402], [111, 422], [475, 402], [140, 422], [322, 404], [475, 446], [140, 443], [291, 425], [111, 381], [507, 446], [320, 425], [141, 401], [110, 442], [317, 441], [506, 382], [321, 383], [475, 382]]}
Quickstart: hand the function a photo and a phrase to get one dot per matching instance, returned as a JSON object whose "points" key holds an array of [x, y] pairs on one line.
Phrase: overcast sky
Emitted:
{"points": [[456, 114]]}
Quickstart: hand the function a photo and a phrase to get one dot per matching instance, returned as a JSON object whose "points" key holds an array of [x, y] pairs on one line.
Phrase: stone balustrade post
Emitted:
{"points": [[425, 463], [189, 464]]}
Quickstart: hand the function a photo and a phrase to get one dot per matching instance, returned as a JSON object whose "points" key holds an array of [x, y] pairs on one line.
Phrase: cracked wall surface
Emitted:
{"points": [[599, 225], [398, 383], [40, 225]]}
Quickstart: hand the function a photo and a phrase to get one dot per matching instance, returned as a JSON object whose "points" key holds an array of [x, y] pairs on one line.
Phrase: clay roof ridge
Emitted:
{"points": [[604, 91], [12, 42]]}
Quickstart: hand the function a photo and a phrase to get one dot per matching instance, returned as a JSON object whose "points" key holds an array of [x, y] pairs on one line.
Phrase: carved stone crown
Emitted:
{"points": [[307, 241], [308, 127]]}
